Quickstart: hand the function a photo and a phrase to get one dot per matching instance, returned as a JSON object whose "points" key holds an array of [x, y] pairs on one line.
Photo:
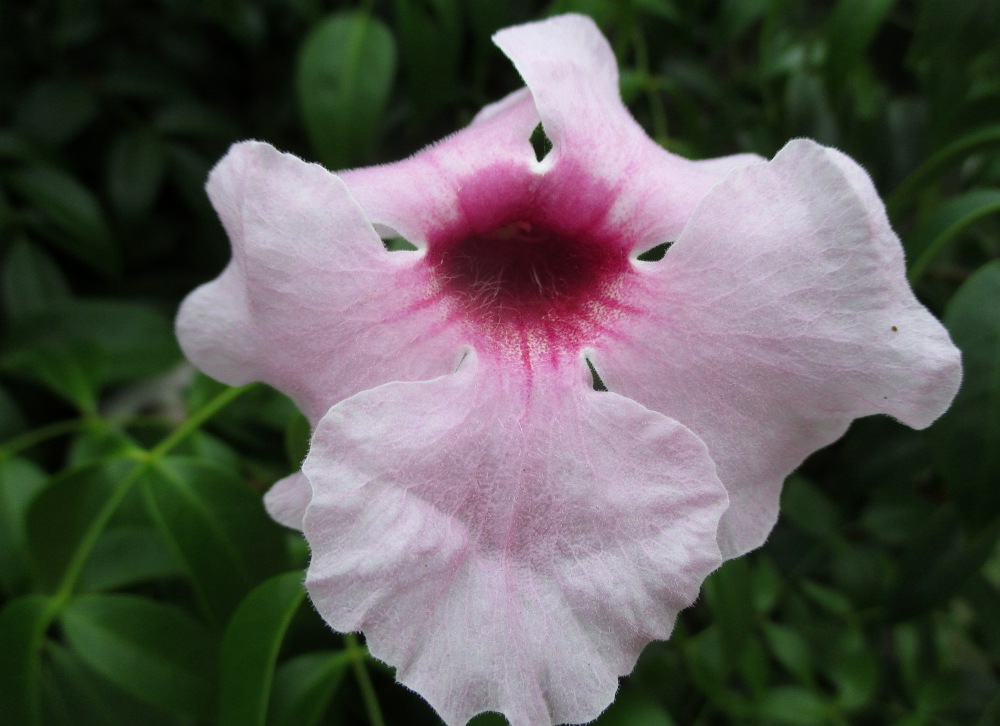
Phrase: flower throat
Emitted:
{"points": [[524, 271]]}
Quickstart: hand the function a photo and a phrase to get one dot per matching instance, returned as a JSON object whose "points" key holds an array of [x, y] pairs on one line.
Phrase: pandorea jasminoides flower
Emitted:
{"points": [[506, 536]]}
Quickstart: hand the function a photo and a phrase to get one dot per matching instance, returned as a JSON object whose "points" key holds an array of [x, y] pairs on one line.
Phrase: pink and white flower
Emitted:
{"points": [[506, 536]]}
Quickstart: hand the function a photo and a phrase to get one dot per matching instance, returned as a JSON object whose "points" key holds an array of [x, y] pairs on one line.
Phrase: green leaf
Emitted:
{"points": [[906, 648], [807, 109], [938, 561], [795, 706], [882, 455], [56, 110], [15, 146], [155, 652], [430, 35], [11, 418], [74, 371], [255, 422], [130, 340], [489, 718], [893, 516], [65, 516], [966, 439], [192, 119], [250, 649], [98, 442], [23, 622], [809, 507], [849, 31], [709, 664], [755, 667], [20, 481], [297, 435], [954, 47], [487, 17], [73, 219], [303, 687], [934, 167], [827, 598], [217, 527], [863, 572], [135, 172], [76, 695], [126, 555], [934, 233], [188, 171], [604, 12], [735, 17], [728, 591], [791, 650], [634, 709], [853, 668], [210, 448], [345, 74], [767, 585], [144, 82], [984, 598], [31, 280]]}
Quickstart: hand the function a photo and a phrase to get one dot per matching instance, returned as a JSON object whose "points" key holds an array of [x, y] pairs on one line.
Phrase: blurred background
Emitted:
{"points": [[140, 580]]}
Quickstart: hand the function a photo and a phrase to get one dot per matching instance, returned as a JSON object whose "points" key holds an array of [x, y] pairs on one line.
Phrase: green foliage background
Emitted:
{"points": [[140, 580]]}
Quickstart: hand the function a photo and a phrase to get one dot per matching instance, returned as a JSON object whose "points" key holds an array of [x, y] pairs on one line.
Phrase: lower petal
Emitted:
{"points": [[508, 547], [287, 499]]}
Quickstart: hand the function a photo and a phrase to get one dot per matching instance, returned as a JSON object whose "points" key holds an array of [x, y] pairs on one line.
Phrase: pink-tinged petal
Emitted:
{"points": [[416, 196], [518, 108], [781, 314], [508, 547], [311, 302], [571, 72], [287, 499]]}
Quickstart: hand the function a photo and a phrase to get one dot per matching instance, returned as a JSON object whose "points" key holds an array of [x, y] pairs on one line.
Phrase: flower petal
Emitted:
{"points": [[507, 548], [287, 499], [418, 195], [572, 74], [781, 314], [311, 302]]}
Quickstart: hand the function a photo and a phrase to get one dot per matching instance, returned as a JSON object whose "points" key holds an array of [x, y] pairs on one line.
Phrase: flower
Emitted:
{"points": [[506, 536]]}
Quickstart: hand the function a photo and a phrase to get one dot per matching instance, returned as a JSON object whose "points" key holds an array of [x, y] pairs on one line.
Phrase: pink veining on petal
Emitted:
{"points": [[512, 547]]}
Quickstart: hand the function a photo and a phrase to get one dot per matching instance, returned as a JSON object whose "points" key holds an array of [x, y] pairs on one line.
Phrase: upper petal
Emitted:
{"points": [[311, 302], [572, 89], [506, 547], [781, 314], [571, 72], [419, 195]]}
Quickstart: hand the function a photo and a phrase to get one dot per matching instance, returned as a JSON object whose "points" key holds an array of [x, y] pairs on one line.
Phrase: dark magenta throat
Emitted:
{"points": [[524, 273]]}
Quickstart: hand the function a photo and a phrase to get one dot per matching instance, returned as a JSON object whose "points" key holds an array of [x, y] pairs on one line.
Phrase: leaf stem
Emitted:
{"points": [[358, 657], [903, 195], [988, 201], [145, 459], [194, 422], [40, 435]]}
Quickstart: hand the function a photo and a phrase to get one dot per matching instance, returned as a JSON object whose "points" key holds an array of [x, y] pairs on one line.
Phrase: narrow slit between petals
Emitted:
{"points": [[596, 382], [540, 142], [398, 244], [655, 253]]}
